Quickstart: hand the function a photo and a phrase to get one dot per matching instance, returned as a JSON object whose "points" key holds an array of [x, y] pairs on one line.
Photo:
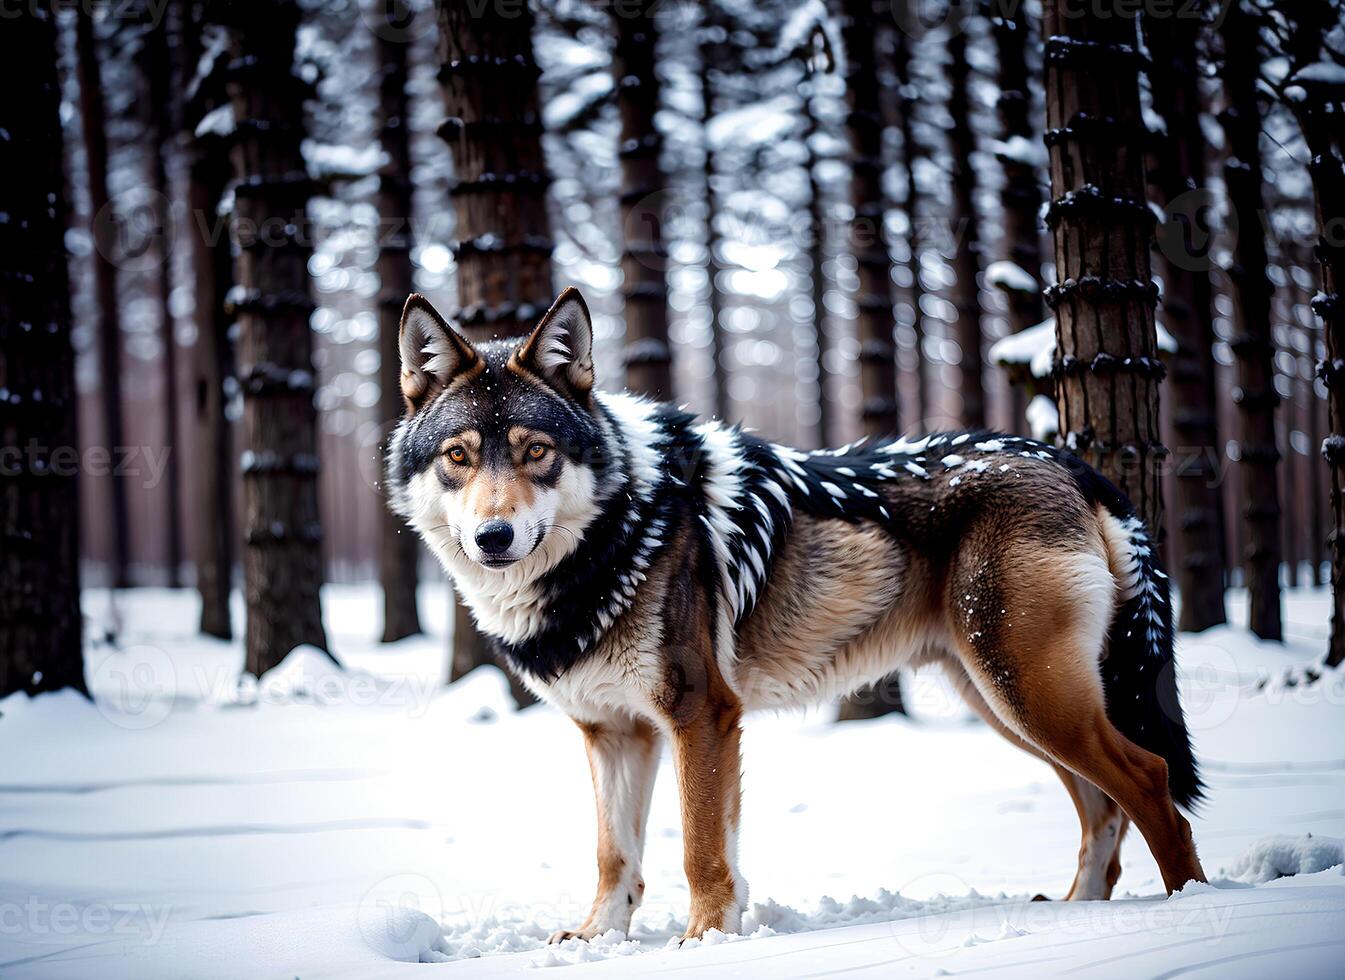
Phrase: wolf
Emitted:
{"points": [[656, 577]]}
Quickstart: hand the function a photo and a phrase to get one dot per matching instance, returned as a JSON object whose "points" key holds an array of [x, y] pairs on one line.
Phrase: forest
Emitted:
{"points": [[1113, 226]]}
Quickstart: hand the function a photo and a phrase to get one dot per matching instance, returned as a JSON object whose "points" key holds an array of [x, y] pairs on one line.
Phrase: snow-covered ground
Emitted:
{"points": [[354, 824]]}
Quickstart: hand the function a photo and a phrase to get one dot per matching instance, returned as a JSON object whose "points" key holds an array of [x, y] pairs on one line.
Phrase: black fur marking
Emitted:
{"points": [[595, 583], [1139, 673]]}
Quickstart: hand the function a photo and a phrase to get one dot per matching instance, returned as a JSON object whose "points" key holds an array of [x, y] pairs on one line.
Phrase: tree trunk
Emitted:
{"points": [[282, 563], [709, 54], [817, 253], [644, 198], [1020, 196], [877, 351], [160, 113], [398, 547], [1179, 179], [494, 129], [877, 357], [208, 171], [1252, 341], [911, 151], [107, 313], [1319, 115], [967, 240], [40, 627], [212, 364], [1106, 346]]}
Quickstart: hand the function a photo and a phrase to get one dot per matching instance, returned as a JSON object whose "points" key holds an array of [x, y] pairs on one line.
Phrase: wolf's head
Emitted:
{"points": [[497, 460]]}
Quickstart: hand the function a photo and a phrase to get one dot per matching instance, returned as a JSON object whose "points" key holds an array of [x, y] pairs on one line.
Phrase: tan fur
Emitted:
{"points": [[1040, 677], [845, 605]]}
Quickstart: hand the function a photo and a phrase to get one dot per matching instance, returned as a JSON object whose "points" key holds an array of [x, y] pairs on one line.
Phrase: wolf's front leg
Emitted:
{"points": [[707, 753], [623, 756]]}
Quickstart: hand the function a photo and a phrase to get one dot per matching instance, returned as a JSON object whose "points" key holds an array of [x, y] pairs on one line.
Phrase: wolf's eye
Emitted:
{"points": [[536, 451], [458, 455]]}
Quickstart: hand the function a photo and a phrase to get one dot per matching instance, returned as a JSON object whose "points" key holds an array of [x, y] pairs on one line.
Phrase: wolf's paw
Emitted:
{"points": [[585, 932]]}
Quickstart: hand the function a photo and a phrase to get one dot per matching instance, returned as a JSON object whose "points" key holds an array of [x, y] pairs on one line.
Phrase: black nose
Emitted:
{"points": [[495, 537]]}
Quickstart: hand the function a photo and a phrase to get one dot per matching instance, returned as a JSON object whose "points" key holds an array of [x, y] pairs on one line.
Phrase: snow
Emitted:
{"points": [[1020, 149], [329, 160], [1035, 347], [217, 122], [1327, 73], [364, 823], [1011, 276], [1043, 418]]}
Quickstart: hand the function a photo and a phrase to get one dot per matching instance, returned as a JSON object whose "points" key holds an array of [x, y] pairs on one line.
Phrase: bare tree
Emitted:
{"points": [[712, 51], [817, 253], [1319, 104], [282, 562], [1020, 195], [1179, 180], [93, 117], [1253, 343], [212, 363], [494, 129], [161, 110], [40, 629], [966, 230], [1106, 344], [873, 298], [644, 256], [398, 548], [907, 97], [877, 349]]}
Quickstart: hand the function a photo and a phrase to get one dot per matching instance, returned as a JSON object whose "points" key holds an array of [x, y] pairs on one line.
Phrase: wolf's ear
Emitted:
{"points": [[561, 345], [433, 353]]}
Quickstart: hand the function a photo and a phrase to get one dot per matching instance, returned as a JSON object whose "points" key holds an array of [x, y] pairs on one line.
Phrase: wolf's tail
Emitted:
{"points": [[1138, 674]]}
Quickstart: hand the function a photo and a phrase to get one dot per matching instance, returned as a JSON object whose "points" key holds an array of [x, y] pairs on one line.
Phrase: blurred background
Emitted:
{"points": [[819, 220]]}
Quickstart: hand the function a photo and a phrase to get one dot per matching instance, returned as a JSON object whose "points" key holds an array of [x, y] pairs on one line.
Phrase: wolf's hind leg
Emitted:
{"points": [[623, 756], [1102, 822]]}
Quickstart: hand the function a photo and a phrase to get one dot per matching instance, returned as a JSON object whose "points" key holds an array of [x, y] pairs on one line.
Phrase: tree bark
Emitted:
{"points": [[282, 563], [864, 123], [1106, 357], [644, 198], [876, 325], [107, 312], [40, 626], [710, 52], [212, 508], [1020, 196], [817, 248], [966, 291], [494, 129], [1179, 180], [911, 151], [398, 547], [161, 111], [1252, 342], [1319, 114]]}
